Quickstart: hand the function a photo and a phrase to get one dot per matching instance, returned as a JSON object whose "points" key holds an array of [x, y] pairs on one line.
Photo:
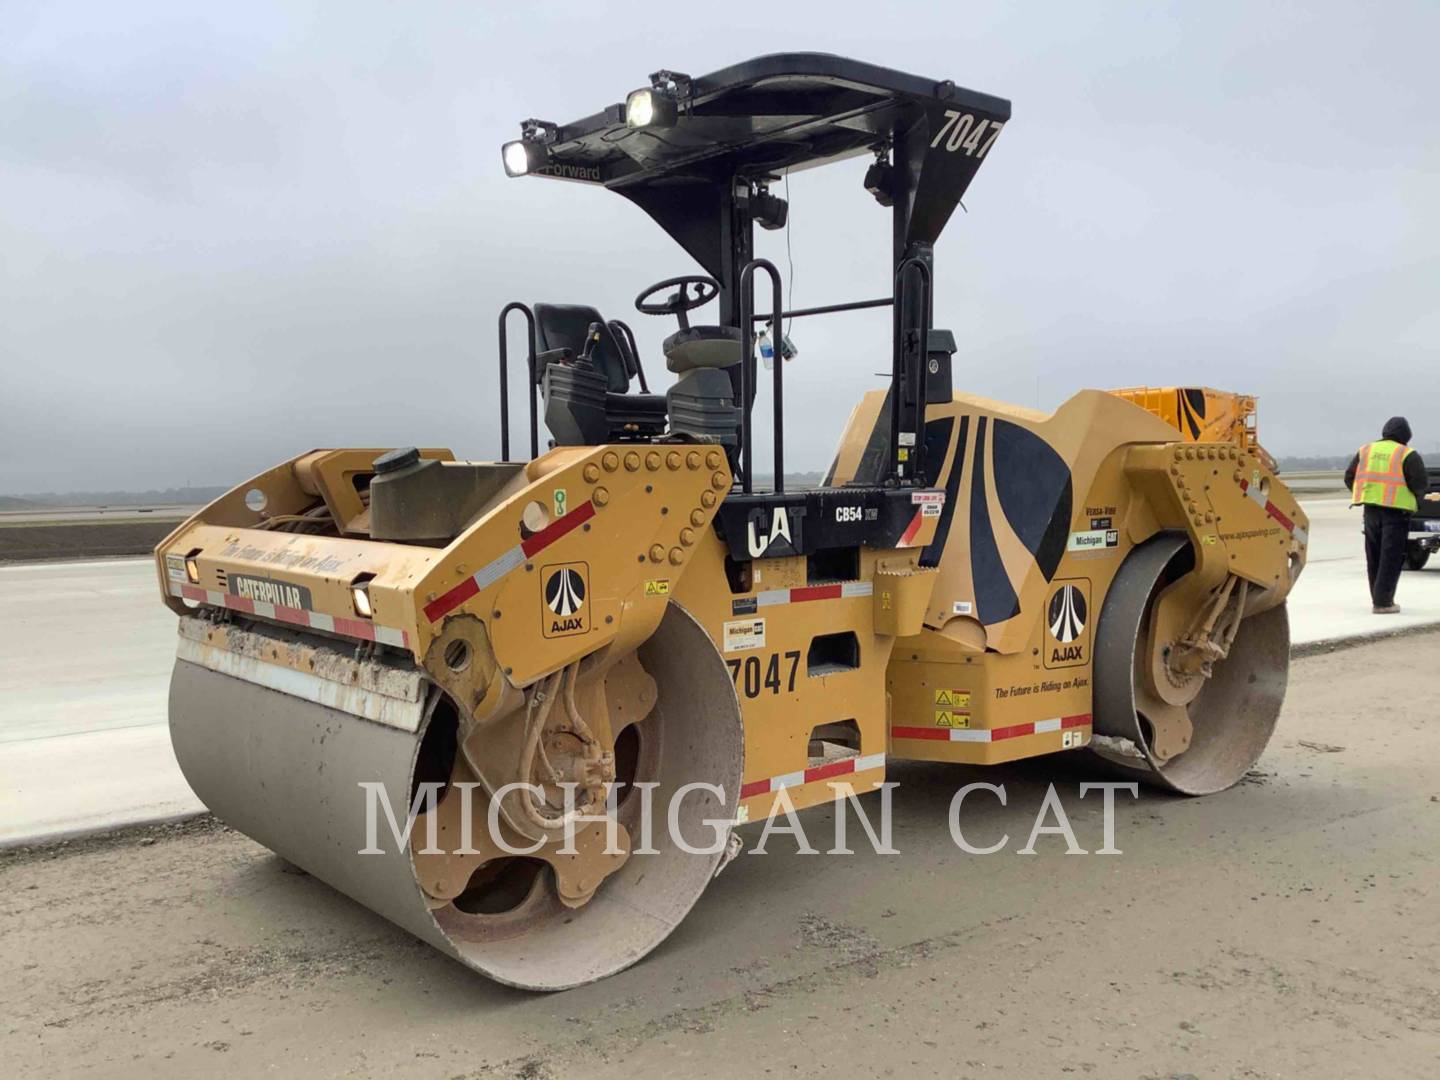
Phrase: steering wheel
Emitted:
{"points": [[680, 301]]}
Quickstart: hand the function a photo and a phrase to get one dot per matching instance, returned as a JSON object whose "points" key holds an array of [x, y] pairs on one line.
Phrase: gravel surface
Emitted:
{"points": [[1287, 928]]}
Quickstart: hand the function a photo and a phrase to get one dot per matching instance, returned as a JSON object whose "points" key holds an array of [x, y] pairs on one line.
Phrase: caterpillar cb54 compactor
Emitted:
{"points": [[629, 611]]}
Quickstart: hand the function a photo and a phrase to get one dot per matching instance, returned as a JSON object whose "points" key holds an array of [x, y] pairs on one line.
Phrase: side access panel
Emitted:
{"points": [[806, 630]]}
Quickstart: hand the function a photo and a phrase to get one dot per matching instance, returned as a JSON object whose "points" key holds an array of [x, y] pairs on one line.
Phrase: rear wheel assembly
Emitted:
{"points": [[1194, 726]]}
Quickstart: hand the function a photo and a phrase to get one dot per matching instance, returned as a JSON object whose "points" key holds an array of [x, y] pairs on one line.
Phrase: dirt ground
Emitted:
{"points": [[28, 541], [1287, 928]]}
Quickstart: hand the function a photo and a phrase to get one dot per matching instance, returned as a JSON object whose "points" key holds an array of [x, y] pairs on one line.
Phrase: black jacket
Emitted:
{"points": [[1416, 478]]}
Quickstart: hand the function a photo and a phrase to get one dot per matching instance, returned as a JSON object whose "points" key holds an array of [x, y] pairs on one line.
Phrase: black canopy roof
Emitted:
{"points": [[756, 119]]}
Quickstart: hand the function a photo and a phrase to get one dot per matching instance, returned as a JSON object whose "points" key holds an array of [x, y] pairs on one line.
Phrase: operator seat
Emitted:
{"points": [[701, 347], [702, 401], [588, 406]]}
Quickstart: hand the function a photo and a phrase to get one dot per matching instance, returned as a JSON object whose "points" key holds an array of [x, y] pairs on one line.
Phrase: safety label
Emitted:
{"points": [[952, 699], [949, 719]]}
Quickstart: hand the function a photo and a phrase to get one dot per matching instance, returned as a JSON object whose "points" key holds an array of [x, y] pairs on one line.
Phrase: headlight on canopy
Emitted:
{"points": [[650, 108], [522, 156]]}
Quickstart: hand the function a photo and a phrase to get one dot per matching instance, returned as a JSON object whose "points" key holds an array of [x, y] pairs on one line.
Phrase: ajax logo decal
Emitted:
{"points": [[1067, 628], [1067, 614], [567, 587]]}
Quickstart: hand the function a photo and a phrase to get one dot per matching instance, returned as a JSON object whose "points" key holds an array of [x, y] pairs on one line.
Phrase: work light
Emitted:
{"points": [[360, 595], [522, 156], [650, 108]]}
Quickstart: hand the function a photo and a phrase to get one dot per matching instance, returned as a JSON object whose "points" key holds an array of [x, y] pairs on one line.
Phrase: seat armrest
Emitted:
{"points": [[551, 356]]}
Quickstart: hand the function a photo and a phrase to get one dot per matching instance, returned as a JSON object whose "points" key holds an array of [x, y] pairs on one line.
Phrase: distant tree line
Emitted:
{"points": [[185, 496]]}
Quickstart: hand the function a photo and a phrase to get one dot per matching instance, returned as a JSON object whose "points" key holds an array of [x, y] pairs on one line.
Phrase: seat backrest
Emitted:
{"points": [[564, 326]]}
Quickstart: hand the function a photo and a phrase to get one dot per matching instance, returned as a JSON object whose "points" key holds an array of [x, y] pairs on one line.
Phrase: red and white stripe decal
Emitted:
{"points": [[1258, 497], [907, 538], [315, 620], [493, 571], [800, 595], [986, 735], [927, 504], [811, 775]]}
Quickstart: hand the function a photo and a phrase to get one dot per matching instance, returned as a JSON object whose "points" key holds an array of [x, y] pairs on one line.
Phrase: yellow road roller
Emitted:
{"points": [[633, 619]]}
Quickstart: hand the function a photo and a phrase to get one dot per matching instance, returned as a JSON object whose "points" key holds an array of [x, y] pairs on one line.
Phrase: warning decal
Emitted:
{"points": [[952, 699]]}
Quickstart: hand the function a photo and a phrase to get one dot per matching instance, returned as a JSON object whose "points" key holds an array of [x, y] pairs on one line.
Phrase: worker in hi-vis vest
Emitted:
{"points": [[1388, 479]]}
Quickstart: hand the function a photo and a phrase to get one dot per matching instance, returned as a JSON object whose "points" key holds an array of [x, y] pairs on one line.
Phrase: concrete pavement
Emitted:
{"points": [[86, 649], [85, 655], [1331, 601]]}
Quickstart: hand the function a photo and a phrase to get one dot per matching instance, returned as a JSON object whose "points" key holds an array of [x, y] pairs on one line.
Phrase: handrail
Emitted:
{"points": [[911, 375], [830, 309], [505, 383], [748, 375]]}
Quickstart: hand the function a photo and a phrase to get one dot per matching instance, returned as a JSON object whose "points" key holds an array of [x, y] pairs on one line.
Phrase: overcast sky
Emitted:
{"points": [[229, 233]]}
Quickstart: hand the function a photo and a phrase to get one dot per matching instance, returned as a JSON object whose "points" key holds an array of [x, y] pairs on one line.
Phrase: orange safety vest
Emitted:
{"points": [[1380, 478]]}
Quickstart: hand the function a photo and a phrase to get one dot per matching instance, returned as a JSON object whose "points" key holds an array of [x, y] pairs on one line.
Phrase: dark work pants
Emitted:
{"points": [[1386, 534]]}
